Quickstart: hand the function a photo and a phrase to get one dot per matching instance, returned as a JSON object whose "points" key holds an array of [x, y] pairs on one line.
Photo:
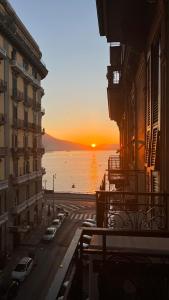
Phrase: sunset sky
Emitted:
{"points": [[76, 57]]}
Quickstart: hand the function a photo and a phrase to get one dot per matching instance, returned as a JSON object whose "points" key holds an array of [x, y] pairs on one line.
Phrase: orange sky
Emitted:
{"points": [[105, 134]]}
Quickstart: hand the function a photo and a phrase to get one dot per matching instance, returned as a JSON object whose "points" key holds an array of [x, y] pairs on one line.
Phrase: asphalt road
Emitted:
{"points": [[50, 255]]}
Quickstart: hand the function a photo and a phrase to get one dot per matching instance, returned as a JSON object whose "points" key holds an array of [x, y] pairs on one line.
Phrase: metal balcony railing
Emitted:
{"points": [[132, 211], [134, 257], [25, 74], [2, 53], [42, 111], [3, 184], [28, 102], [3, 152], [17, 95]]}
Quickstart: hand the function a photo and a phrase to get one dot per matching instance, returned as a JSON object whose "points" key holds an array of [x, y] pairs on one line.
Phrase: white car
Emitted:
{"points": [[61, 216], [88, 224], [91, 221], [56, 223], [86, 238], [49, 234], [23, 268]]}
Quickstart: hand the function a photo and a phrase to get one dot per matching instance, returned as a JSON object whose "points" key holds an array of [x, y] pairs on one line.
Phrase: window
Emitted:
{"points": [[116, 77]]}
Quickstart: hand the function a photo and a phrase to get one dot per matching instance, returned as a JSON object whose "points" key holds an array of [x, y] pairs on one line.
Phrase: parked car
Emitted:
{"points": [[12, 290], [56, 223], [88, 224], [61, 216], [86, 238], [49, 234], [91, 221], [23, 268]]}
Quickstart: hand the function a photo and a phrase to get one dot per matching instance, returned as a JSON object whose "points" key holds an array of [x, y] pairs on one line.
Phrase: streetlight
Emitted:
{"points": [[54, 177], [45, 181]]}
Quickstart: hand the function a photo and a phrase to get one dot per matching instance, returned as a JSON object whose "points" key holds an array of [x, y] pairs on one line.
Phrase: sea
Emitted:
{"points": [[75, 171]]}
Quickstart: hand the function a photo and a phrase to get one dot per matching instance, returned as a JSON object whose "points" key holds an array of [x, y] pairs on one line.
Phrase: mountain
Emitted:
{"points": [[52, 144]]}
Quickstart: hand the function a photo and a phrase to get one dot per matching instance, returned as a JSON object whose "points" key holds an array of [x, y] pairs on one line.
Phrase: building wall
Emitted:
{"points": [[20, 176]]}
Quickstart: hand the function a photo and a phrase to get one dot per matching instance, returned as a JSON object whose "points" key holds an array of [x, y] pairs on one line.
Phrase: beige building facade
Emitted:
{"points": [[21, 149]]}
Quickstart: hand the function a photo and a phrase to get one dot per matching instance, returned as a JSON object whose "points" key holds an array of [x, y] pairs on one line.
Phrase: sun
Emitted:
{"points": [[93, 145]]}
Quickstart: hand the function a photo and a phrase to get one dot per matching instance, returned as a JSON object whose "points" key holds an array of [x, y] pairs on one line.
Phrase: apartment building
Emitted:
{"points": [[21, 149]]}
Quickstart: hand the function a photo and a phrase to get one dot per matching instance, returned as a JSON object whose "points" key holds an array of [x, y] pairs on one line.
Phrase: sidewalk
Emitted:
{"points": [[29, 243]]}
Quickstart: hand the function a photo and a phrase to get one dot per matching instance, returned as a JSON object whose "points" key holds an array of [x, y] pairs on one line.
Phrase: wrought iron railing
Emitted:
{"points": [[81, 267], [132, 211]]}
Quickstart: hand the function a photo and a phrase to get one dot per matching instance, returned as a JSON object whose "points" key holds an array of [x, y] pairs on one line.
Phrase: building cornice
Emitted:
{"points": [[9, 23]]}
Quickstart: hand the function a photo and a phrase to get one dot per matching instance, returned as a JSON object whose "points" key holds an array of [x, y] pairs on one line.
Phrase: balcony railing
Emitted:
{"points": [[43, 131], [3, 86], [111, 260], [27, 203], [2, 53], [42, 111], [36, 105], [3, 217], [132, 211], [3, 184], [24, 73], [28, 102], [2, 119], [17, 95], [114, 162], [27, 176], [18, 124], [3, 152]]}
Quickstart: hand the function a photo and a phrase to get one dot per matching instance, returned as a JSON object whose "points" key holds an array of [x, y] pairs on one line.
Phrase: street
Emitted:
{"points": [[50, 255]]}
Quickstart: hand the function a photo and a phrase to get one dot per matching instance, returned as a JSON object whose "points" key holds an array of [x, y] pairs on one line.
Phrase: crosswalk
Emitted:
{"points": [[71, 207], [74, 211], [82, 216]]}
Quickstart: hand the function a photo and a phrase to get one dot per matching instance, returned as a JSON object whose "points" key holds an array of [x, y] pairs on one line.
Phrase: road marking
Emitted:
{"points": [[81, 216], [76, 217], [72, 216], [85, 216]]}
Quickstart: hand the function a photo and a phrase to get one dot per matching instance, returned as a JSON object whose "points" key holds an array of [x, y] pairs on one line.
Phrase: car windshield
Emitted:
{"points": [[49, 231], [20, 268]]}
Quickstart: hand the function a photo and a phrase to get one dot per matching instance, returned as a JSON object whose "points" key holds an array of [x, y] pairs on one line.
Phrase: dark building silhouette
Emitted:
{"points": [[129, 252]]}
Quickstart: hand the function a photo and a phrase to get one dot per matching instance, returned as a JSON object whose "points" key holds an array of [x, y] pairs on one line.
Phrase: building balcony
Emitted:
{"points": [[3, 184], [120, 264], [3, 86], [3, 218], [26, 177], [43, 131], [36, 106], [18, 124], [2, 119], [3, 53], [28, 102], [17, 151], [132, 210], [19, 68], [17, 95], [3, 152], [42, 111], [40, 151], [27, 203]]}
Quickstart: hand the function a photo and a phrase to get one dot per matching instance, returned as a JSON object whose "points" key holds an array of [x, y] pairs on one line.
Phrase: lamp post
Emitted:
{"points": [[54, 177], [45, 181]]}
